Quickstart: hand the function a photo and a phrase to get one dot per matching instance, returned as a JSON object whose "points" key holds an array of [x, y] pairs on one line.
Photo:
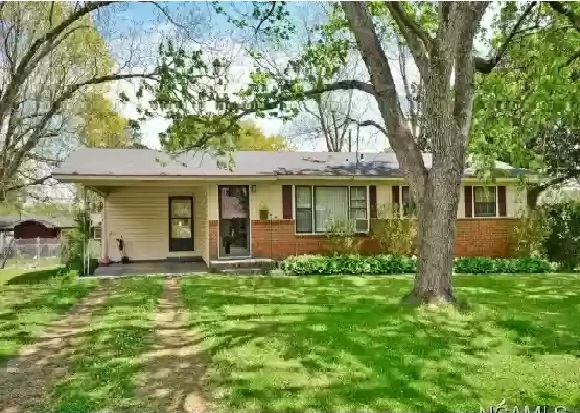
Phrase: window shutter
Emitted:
{"points": [[373, 201], [287, 206], [396, 200], [468, 201], [501, 201]]}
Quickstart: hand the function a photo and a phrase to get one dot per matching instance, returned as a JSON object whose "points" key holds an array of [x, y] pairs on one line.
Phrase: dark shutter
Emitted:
{"points": [[501, 200], [373, 201], [468, 201], [287, 202]]}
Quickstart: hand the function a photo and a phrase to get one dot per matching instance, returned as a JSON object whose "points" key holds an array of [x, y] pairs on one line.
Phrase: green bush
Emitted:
{"points": [[75, 246], [562, 244], [390, 264], [348, 264], [480, 265]]}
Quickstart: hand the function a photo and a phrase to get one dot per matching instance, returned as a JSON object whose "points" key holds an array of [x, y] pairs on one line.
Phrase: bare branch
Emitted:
{"points": [[38, 181], [417, 39], [369, 122], [265, 17], [400, 135]]}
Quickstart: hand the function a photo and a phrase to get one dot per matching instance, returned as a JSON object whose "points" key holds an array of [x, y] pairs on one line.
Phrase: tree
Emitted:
{"points": [[51, 54], [440, 38], [103, 127], [245, 136], [526, 112]]}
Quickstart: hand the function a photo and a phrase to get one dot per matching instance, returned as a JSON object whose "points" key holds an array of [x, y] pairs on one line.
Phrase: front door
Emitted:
{"points": [[234, 223], [180, 223]]}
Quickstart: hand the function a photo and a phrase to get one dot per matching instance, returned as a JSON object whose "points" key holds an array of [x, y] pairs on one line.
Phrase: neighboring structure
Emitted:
{"points": [[270, 205], [28, 227]]}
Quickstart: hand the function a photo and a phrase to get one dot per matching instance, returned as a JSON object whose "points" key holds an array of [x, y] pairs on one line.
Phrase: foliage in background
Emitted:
{"points": [[103, 127], [186, 131], [395, 234], [342, 237], [529, 233], [525, 112], [76, 245], [390, 264], [562, 244]]}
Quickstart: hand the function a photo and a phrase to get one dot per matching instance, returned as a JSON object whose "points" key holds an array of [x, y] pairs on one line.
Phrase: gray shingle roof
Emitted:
{"points": [[149, 162]]}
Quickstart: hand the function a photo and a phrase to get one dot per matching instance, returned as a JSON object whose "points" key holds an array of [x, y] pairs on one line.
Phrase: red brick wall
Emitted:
{"points": [[276, 239], [483, 237], [213, 239], [474, 237]]}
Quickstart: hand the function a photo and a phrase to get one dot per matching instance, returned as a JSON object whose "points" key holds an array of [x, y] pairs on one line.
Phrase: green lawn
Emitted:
{"points": [[333, 344], [102, 375], [31, 299]]}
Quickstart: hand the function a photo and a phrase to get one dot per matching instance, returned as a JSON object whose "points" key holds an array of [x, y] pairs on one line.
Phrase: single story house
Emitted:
{"points": [[268, 204], [35, 226]]}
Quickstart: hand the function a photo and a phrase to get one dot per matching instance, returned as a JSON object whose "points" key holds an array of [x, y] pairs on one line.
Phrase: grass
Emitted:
{"points": [[332, 344], [101, 374], [29, 300]]}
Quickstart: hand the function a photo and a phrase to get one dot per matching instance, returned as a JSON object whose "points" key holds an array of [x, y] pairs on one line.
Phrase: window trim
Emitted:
{"points": [[473, 202], [313, 206]]}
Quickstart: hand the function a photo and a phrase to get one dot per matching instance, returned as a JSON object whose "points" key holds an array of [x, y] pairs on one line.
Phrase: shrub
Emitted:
{"points": [[342, 238], [480, 265], [529, 234], [562, 244], [392, 264], [348, 264], [395, 234], [75, 246]]}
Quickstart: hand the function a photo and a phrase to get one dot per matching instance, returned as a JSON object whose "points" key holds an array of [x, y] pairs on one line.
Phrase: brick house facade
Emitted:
{"points": [[272, 204]]}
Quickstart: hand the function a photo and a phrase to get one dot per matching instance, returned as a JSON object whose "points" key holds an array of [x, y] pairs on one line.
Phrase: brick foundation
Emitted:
{"points": [[276, 239]]}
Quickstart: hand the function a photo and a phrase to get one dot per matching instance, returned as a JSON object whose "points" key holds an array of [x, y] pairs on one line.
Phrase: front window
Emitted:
{"points": [[484, 201], [317, 207], [409, 207]]}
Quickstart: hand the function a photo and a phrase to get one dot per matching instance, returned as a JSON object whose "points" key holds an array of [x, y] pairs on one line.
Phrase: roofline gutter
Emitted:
{"points": [[72, 178]]}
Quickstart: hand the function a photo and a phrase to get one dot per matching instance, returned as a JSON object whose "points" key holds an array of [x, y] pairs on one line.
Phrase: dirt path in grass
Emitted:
{"points": [[171, 379], [27, 379]]}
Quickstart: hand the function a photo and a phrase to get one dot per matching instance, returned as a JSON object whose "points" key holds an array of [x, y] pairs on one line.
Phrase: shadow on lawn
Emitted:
{"points": [[34, 277], [331, 345]]}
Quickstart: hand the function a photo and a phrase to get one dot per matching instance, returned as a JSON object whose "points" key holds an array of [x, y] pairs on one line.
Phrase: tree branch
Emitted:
{"points": [[399, 134], [265, 17], [485, 66], [38, 181], [369, 122], [416, 38], [566, 11], [24, 69]]}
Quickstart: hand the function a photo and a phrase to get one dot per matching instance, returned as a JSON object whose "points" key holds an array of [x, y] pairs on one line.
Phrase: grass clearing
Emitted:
{"points": [[101, 375], [30, 300], [329, 344]]}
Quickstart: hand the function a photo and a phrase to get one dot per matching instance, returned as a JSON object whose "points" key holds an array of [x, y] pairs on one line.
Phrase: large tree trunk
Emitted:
{"points": [[437, 215]]}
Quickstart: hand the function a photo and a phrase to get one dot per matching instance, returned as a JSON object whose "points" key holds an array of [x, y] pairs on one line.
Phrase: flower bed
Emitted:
{"points": [[389, 264]]}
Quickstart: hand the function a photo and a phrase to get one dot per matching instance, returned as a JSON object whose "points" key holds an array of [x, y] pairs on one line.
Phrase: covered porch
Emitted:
{"points": [[167, 267]]}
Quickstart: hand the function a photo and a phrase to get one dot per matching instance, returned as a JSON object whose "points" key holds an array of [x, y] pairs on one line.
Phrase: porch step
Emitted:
{"points": [[245, 266]]}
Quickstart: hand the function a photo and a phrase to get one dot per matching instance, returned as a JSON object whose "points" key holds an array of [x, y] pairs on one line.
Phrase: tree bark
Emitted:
{"points": [[446, 119]]}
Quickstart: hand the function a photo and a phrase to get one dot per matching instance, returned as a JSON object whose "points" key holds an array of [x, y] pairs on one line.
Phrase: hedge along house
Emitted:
{"points": [[269, 204]]}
